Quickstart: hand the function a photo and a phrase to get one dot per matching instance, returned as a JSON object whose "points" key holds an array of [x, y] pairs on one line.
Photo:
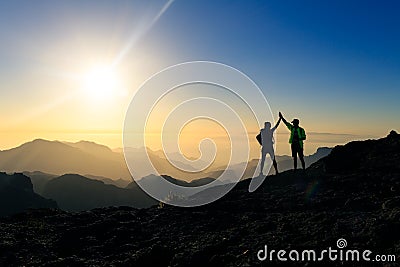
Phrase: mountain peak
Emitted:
{"points": [[58, 157], [37, 143], [89, 146], [73, 178], [392, 133], [324, 148], [42, 141]]}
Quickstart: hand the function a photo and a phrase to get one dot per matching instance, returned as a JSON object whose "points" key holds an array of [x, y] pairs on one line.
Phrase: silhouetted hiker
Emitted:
{"points": [[297, 135], [266, 139]]}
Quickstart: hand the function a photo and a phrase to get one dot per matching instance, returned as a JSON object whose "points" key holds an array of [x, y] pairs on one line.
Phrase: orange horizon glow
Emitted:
{"points": [[189, 141]]}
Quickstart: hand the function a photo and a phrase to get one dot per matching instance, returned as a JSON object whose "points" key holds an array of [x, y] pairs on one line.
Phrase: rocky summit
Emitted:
{"points": [[353, 194]]}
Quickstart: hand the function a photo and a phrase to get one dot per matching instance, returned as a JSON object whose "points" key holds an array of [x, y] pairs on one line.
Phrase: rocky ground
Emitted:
{"points": [[353, 194]]}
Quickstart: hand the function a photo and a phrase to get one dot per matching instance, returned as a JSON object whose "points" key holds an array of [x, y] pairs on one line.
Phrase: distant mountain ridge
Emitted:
{"points": [[93, 160], [119, 182], [61, 157]]}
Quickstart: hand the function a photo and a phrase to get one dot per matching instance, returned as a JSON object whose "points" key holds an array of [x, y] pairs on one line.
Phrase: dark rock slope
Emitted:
{"points": [[16, 195], [354, 194]]}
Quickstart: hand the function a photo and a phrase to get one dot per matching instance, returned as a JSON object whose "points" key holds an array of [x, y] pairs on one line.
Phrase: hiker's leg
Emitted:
{"points": [[272, 155], [263, 154], [303, 164], [275, 165], [294, 155], [301, 156]]}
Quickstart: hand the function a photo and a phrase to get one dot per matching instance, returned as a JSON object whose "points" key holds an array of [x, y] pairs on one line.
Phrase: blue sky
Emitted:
{"points": [[333, 64], [322, 54]]}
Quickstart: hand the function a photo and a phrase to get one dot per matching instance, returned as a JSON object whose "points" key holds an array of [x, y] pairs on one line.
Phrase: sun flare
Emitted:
{"points": [[101, 83]]}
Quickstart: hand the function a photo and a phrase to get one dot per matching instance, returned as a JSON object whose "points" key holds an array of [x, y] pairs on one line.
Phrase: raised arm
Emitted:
{"points": [[277, 124], [288, 125], [281, 117]]}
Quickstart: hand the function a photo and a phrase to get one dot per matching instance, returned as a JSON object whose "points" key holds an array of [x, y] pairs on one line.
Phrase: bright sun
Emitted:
{"points": [[101, 83]]}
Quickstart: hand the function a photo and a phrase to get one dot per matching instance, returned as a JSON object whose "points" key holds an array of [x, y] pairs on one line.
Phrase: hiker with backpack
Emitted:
{"points": [[266, 140], [297, 136]]}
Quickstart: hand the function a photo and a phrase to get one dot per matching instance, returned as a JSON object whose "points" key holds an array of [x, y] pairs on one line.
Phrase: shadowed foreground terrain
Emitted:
{"points": [[353, 193]]}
